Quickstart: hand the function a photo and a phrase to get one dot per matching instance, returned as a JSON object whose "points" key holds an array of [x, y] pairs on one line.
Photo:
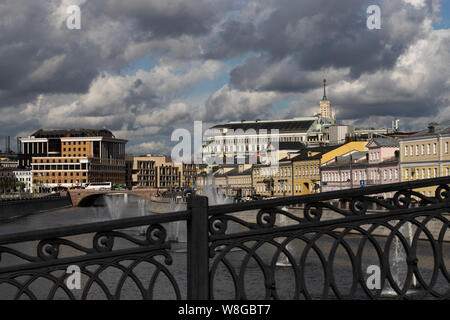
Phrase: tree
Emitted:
{"points": [[8, 184]]}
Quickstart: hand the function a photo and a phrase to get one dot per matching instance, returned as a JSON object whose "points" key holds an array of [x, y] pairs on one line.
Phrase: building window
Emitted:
{"points": [[429, 173], [423, 149], [434, 148], [435, 173], [406, 151], [406, 174], [417, 149], [428, 149], [446, 147]]}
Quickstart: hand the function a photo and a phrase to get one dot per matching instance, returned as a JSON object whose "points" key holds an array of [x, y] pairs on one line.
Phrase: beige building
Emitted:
{"points": [[220, 178], [160, 172], [239, 181], [273, 180], [426, 155]]}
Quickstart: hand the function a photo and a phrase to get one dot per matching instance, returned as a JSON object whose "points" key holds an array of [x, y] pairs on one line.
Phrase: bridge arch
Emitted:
{"points": [[86, 198]]}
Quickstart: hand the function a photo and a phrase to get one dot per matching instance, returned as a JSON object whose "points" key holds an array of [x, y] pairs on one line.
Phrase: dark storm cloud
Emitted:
{"points": [[162, 18], [315, 35], [39, 55]]}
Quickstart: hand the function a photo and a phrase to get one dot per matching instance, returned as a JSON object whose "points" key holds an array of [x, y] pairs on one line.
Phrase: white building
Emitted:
{"points": [[339, 133], [24, 176], [7, 163], [242, 139]]}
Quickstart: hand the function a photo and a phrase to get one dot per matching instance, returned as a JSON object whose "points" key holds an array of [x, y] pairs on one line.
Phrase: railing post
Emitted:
{"points": [[198, 246]]}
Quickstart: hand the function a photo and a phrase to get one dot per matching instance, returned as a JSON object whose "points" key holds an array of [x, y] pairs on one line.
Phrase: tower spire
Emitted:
{"points": [[324, 90]]}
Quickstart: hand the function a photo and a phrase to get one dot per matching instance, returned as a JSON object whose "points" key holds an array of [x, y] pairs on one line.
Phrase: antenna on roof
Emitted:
{"points": [[324, 90]]}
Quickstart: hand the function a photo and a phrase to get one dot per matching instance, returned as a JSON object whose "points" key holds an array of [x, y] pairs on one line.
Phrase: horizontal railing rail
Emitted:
{"points": [[331, 195], [92, 227]]}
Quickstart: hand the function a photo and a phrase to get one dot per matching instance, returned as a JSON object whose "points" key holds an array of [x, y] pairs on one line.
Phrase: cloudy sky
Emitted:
{"points": [[143, 68]]}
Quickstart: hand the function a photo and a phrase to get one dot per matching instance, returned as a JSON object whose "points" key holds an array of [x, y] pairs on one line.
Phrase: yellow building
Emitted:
{"points": [[299, 173], [282, 179], [306, 170], [306, 166], [263, 182], [426, 155]]}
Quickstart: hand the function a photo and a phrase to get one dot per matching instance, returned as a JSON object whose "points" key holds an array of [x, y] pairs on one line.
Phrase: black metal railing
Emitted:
{"points": [[304, 247]]}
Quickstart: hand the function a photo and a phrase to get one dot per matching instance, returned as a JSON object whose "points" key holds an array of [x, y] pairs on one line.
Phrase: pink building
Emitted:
{"points": [[378, 165]]}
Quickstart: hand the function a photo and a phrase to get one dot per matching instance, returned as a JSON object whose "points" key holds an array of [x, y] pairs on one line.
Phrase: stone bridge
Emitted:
{"points": [[82, 197]]}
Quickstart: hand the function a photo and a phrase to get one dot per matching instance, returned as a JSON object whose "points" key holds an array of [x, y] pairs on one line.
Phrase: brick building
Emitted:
{"points": [[68, 158]]}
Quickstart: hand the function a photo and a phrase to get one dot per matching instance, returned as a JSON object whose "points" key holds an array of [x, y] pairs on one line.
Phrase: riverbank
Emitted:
{"points": [[13, 209]]}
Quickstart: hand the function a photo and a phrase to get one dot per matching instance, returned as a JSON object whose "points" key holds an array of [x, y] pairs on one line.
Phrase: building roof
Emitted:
{"points": [[432, 130], [293, 125], [72, 133], [384, 142], [355, 156], [290, 145], [235, 172], [361, 164], [399, 134], [318, 152]]}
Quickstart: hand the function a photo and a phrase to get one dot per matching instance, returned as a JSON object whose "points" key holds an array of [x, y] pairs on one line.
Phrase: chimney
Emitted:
{"points": [[7, 144], [431, 127], [19, 146]]}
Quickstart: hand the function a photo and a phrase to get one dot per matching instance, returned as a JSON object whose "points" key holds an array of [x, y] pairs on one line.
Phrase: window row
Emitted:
{"points": [[422, 149], [423, 173]]}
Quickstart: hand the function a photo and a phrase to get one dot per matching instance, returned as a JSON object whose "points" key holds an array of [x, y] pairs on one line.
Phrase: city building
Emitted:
{"points": [[325, 104], [220, 178], [6, 173], [345, 172], [25, 177], [236, 182], [282, 178], [299, 172], [8, 163], [339, 134], [306, 172], [426, 155], [243, 139], [76, 157], [160, 172], [8, 160], [129, 171], [378, 165], [6, 179]]}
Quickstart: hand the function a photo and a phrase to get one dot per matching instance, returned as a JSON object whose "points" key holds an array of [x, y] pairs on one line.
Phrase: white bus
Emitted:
{"points": [[99, 186]]}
